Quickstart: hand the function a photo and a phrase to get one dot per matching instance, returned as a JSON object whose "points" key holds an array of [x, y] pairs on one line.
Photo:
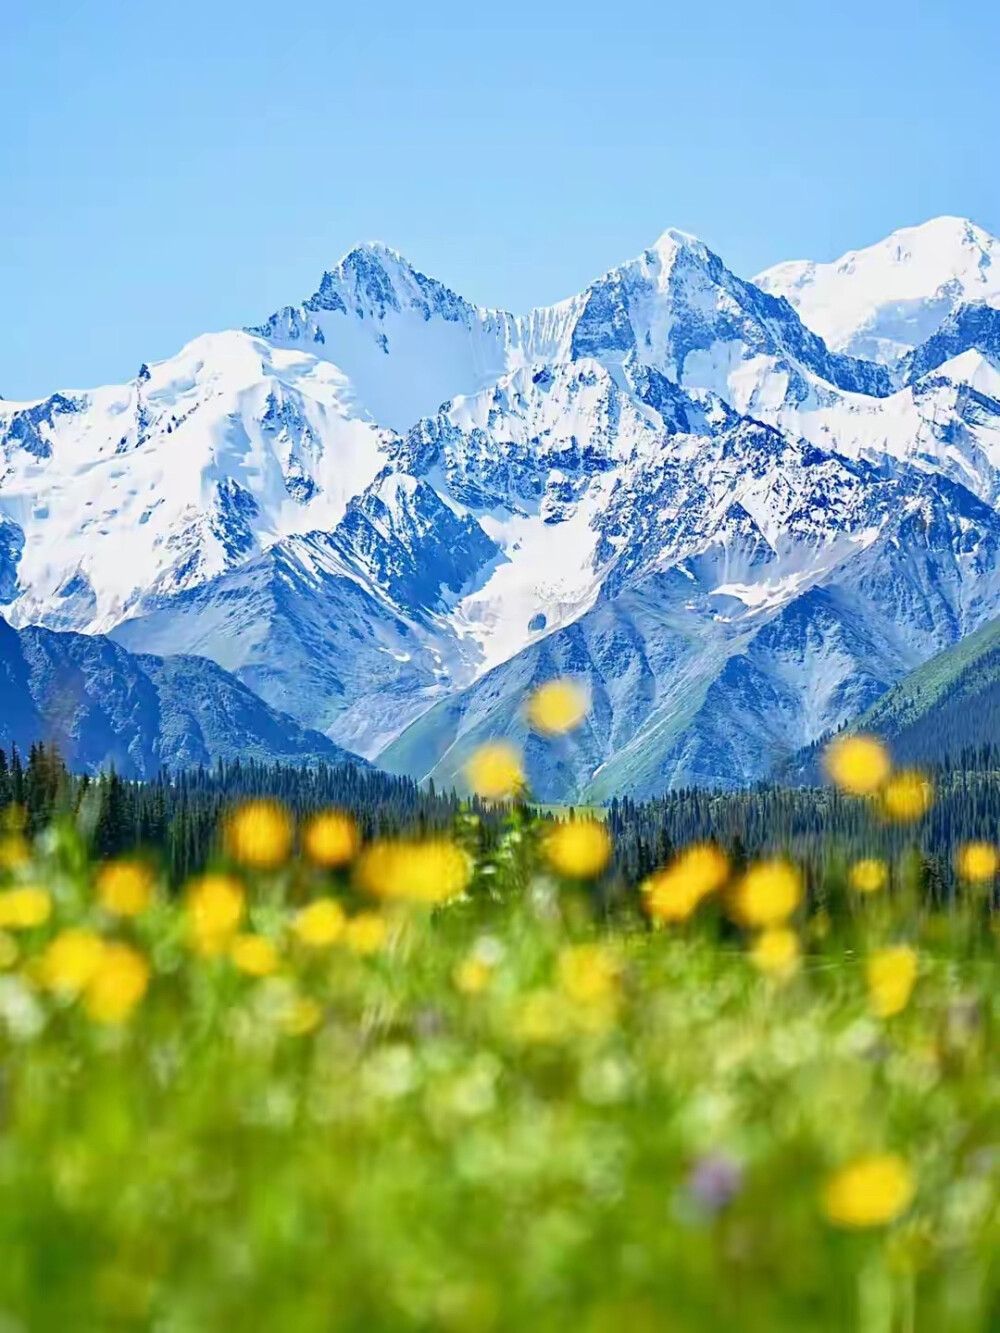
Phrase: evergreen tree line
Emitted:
{"points": [[817, 826], [178, 815]]}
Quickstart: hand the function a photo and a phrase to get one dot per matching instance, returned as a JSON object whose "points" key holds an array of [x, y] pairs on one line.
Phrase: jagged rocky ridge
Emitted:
{"points": [[389, 511]]}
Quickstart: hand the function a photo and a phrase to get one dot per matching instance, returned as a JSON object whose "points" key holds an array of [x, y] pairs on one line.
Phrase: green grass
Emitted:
{"points": [[485, 1130]]}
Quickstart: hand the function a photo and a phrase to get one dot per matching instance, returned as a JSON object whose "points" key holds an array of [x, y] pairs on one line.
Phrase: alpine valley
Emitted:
{"points": [[740, 510]]}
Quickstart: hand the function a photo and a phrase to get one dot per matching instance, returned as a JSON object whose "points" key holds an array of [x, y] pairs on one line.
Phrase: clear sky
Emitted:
{"points": [[169, 169]]}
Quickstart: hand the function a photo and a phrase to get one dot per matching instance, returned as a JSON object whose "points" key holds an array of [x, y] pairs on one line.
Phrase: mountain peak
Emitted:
{"points": [[882, 301], [674, 239], [946, 227], [371, 254], [378, 248]]}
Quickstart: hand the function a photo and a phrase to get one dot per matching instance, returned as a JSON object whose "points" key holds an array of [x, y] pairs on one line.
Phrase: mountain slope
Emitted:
{"points": [[104, 706], [690, 684], [948, 704]]}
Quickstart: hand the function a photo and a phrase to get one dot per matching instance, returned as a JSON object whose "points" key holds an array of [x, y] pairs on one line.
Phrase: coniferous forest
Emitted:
{"points": [[176, 816]]}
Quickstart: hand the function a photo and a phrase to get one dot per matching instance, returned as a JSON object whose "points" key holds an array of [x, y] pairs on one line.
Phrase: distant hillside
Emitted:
{"points": [[949, 704], [946, 708], [105, 707]]}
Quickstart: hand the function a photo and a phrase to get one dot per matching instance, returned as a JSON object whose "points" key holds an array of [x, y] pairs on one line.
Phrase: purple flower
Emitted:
{"points": [[714, 1182]]}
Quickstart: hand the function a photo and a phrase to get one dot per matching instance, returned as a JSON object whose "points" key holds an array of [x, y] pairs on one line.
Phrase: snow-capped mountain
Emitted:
{"points": [[388, 511], [882, 302]]}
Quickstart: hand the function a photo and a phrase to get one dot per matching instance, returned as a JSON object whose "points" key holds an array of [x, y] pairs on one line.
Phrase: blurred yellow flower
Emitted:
{"points": [[24, 908], [331, 839], [254, 955], [71, 961], [776, 952], [669, 896], [215, 907], [320, 924], [891, 974], [542, 1016], [869, 1192], [673, 893], [118, 984], [260, 834], [495, 771], [14, 851], [580, 849], [978, 862], [300, 1015], [857, 764], [9, 952], [589, 974], [868, 876], [366, 933], [472, 975], [124, 888], [14, 818], [558, 706], [907, 796], [768, 893], [431, 871]]}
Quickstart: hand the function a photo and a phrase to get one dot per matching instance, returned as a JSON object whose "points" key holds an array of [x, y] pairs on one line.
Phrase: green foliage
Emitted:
{"points": [[505, 1117], [176, 817]]}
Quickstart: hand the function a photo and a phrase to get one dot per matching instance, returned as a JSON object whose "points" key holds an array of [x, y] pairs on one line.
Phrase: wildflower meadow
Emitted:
{"points": [[403, 1084]]}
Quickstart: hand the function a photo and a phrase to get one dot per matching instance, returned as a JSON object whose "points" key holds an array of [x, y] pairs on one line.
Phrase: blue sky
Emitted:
{"points": [[171, 169]]}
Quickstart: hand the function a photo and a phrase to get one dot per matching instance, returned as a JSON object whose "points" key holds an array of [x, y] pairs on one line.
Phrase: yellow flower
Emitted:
{"points": [[431, 871], [495, 771], [14, 851], [907, 796], [215, 908], [558, 706], [870, 1192], [891, 974], [300, 1015], [124, 888], [776, 952], [589, 974], [24, 908], [254, 955], [366, 933], [978, 862], [320, 924], [472, 975], [71, 961], [580, 849], [857, 764], [14, 818], [669, 896], [542, 1016], [260, 834], [118, 984], [868, 876], [331, 839], [673, 893], [9, 952], [768, 894]]}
